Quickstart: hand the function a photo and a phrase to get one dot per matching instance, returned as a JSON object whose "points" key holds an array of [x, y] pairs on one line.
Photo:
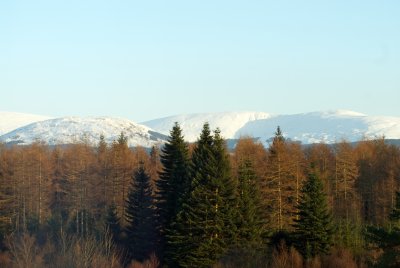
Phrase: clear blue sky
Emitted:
{"points": [[147, 59]]}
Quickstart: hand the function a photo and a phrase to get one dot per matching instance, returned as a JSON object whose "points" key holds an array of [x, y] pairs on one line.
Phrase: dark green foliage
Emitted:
{"points": [[226, 187], [204, 227], [113, 223], [313, 229], [279, 135], [140, 231], [249, 219], [173, 182], [388, 239], [349, 234], [122, 139], [395, 214]]}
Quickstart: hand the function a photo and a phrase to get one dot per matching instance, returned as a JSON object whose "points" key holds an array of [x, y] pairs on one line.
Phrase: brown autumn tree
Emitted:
{"points": [[284, 177], [122, 165], [379, 165], [346, 200], [248, 148]]}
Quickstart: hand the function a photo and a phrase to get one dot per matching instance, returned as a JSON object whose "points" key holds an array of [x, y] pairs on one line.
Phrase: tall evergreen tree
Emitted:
{"points": [[394, 216], [249, 219], [112, 223], [173, 181], [140, 230], [388, 238], [313, 228], [202, 230], [225, 187]]}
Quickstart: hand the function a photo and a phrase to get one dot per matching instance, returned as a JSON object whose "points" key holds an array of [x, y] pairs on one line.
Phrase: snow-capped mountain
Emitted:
{"points": [[228, 122], [68, 130], [328, 126], [10, 121]]}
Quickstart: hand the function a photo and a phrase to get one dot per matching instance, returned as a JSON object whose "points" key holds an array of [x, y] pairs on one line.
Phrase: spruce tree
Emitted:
{"points": [[112, 223], [202, 231], [226, 188], [249, 221], [388, 238], [140, 230], [172, 183], [395, 213], [313, 228]]}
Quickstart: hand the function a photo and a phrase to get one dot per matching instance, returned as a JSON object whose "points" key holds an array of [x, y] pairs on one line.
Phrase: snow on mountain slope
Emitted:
{"points": [[328, 127], [228, 122], [10, 121], [69, 130]]}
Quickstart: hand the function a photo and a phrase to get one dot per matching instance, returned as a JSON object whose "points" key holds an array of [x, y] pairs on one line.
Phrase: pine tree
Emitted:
{"points": [[313, 229], [112, 223], [225, 187], [140, 230], [388, 238], [203, 229], [395, 214], [249, 220], [173, 181]]}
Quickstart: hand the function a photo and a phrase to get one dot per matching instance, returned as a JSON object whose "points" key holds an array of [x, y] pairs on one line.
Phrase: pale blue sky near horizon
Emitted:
{"points": [[148, 59]]}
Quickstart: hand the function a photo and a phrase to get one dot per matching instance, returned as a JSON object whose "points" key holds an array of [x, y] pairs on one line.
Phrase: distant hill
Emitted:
{"points": [[327, 127], [69, 130], [229, 123]]}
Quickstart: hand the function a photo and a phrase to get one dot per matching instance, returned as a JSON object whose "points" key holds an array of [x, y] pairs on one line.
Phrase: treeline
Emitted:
{"points": [[200, 205]]}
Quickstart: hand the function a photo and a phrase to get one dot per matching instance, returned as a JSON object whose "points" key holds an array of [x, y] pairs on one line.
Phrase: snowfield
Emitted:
{"points": [[314, 127], [229, 123], [69, 130]]}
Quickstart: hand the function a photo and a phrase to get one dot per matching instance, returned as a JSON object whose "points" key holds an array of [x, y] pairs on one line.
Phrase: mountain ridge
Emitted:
{"points": [[320, 126], [73, 129], [314, 127]]}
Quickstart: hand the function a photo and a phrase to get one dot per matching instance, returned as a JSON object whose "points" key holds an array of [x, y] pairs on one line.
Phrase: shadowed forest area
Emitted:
{"points": [[200, 205]]}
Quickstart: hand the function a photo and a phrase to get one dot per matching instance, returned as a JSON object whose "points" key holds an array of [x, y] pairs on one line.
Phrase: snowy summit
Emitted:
{"points": [[314, 127], [68, 130]]}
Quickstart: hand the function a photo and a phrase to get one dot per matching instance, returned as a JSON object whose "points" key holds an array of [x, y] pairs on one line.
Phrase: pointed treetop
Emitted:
{"points": [[279, 135], [122, 139], [176, 130]]}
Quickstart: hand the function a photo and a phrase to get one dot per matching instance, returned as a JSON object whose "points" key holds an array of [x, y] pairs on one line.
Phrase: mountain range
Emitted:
{"points": [[313, 127]]}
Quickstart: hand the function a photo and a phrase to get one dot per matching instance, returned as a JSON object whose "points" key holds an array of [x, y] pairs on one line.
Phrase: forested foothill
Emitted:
{"points": [[200, 204]]}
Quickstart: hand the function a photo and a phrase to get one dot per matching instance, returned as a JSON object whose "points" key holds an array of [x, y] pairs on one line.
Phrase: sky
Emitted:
{"points": [[149, 59]]}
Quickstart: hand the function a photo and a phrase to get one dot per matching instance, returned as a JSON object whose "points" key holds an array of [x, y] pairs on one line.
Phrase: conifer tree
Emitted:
{"points": [[140, 230], [388, 239], [249, 220], [202, 230], [313, 228], [225, 187], [395, 214], [173, 181], [113, 223]]}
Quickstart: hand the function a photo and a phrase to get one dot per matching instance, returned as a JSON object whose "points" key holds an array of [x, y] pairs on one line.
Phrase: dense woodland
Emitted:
{"points": [[200, 205]]}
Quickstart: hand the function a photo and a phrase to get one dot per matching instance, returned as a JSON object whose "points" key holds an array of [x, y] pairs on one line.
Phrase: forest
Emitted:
{"points": [[200, 204]]}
